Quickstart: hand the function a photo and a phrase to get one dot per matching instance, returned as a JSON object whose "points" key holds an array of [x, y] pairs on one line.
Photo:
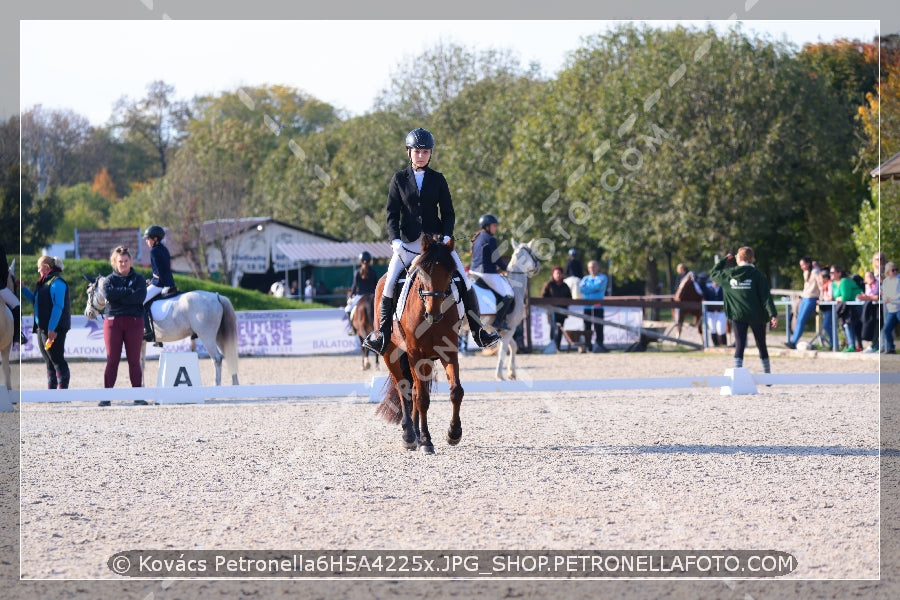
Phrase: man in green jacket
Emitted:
{"points": [[748, 302]]}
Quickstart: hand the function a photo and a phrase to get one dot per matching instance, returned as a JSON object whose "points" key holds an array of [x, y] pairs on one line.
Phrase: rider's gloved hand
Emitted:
{"points": [[396, 245], [446, 239]]}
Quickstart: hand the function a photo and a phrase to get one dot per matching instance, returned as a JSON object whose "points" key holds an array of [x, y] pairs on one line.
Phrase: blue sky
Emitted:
{"points": [[86, 66]]}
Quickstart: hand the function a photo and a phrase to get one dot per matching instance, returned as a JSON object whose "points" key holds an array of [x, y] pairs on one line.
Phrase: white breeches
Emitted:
{"points": [[496, 282], [405, 256]]}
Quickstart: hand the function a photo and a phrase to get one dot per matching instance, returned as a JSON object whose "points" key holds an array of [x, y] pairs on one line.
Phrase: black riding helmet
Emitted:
{"points": [[486, 220], [155, 231], [420, 138], [365, 257]]}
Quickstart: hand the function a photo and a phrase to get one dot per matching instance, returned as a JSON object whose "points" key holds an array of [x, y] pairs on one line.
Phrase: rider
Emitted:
{"points": [[12, 300], [162, 281], [364, 282], [487, 264], [419, 203], [573, 265]]}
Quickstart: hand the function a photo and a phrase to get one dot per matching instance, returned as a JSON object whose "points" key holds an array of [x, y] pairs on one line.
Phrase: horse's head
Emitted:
{"points": [[524, 260], [96, 301], [434, 270]]}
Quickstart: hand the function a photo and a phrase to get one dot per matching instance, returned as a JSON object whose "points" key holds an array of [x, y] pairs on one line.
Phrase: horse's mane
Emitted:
{"points": [[436, 254]]}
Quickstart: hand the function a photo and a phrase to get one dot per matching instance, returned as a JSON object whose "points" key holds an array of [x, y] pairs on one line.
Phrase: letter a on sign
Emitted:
{"points": [[182, 377]]}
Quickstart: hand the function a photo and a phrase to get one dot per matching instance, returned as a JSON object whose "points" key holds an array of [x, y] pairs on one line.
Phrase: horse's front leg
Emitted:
{"points": [[454, 433], [423, 371], [501, 353], [513, 348]]}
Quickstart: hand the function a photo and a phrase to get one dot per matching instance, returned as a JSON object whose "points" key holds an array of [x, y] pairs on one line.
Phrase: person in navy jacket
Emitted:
{"points": [[487, 264], [162, 281]]}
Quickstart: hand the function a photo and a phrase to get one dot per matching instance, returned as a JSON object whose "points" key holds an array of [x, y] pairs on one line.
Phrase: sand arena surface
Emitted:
{"points": [[794, 468]]}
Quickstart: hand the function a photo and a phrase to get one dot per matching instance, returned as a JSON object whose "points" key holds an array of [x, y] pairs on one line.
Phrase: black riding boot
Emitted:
{"points": [[377, 340], [483, 337], [148, 325], [504, 307], [17, 326]]}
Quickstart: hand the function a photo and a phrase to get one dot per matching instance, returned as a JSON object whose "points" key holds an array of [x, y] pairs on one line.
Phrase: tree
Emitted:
{"points": [[880, 211], [104, 186], [425, 82], [83, 208], [156, 121], [51, 143], [659, 144]]}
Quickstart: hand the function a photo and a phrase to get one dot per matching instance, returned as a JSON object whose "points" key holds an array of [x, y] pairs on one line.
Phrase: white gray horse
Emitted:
{"points": [[208, 315], [523, 265]]}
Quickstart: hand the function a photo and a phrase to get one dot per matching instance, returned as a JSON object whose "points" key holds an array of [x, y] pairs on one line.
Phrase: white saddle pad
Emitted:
{"points": [[487, 301], [162, 309]]}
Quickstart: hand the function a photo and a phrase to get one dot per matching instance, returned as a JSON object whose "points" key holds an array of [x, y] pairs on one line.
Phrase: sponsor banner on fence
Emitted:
{"points": [[302, 332], [612, 336], [260, 333]]}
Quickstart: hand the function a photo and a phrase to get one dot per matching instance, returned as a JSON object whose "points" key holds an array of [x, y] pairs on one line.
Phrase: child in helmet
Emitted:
{"points": [[162, 281], [487, 264], [419, 204]]}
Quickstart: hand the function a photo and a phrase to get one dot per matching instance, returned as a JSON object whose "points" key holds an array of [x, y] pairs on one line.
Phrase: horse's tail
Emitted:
{"points": [[227, 337], [389, 408]]}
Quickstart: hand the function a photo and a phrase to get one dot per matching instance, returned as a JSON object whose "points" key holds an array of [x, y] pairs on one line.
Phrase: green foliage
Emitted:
{"points": [[74, 271], [83, 209]]}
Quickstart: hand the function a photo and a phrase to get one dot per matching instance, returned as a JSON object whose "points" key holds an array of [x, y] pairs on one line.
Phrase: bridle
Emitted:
{"points": [[91, 293], [534, 261]]}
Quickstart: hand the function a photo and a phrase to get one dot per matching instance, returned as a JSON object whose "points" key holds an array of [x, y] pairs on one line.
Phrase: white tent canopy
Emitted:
{"points": [[333, 254]]}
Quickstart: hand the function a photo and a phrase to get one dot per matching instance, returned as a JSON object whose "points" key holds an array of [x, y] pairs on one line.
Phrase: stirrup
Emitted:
{"points": [[374, 344], [485, 339]]}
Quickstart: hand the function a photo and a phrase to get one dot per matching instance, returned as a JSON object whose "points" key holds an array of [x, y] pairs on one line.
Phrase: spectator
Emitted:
{"points": [[808, 299], [871, 321], [556, 288], [826, 310], [593, 287], [573, 265], [309, 291], [52, 319], [294, 288], [879, 264], [843, 290], [125, 290], [890, 294], [748, 302], [715, 314]]}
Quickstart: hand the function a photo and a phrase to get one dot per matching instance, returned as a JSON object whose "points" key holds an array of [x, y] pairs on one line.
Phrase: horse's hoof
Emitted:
{"points": [[511, 376], [410, 445], [427, 449], [453, 441], [366, 367]]}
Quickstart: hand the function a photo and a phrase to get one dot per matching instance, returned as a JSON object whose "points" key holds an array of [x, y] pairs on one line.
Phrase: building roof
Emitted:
{"points": [[889, 169], [226, 228], [334, 254]]}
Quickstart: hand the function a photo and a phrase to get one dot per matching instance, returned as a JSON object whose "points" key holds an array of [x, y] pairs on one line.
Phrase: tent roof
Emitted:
{"points": [[889, 169], [334, 254]]}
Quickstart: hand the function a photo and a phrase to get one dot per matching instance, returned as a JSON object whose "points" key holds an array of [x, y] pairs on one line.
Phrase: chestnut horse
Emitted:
{"points": [[361, 321], [687, 292], [426, 331]]}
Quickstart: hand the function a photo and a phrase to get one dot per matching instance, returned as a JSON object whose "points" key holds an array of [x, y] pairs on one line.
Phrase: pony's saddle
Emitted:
{"points": [[404, 284]]}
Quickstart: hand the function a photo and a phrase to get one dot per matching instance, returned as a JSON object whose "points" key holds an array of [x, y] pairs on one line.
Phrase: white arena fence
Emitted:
{"points": [[734, 382]]}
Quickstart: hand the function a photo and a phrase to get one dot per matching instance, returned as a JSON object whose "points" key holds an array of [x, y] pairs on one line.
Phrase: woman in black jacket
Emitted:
{"points": [[125, 290], [556, 288]]}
